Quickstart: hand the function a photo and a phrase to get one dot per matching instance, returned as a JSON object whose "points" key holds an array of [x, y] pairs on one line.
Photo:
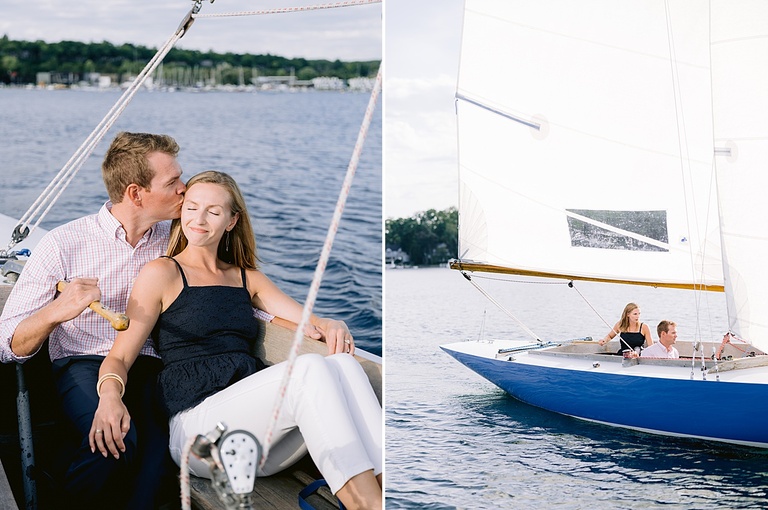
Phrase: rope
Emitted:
{"points": [[501, 307], [321, 265], [60, 182], [618, 333], [283, 10], [529, 282], [571, 285], [186, 501]]}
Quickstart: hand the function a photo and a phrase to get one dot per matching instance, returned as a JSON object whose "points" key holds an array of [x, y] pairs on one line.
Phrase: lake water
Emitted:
{"points": [[288, 151], [454, 440]]}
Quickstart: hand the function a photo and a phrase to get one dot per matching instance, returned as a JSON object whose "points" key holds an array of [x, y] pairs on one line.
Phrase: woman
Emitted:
{"points": [[632, 333], [197, 306]]}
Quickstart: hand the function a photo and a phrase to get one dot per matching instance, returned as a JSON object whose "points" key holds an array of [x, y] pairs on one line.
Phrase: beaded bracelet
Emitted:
{"points": [[110, 376]]}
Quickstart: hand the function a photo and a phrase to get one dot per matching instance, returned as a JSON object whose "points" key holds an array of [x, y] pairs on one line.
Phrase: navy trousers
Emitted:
{"points": [[145, 476]]}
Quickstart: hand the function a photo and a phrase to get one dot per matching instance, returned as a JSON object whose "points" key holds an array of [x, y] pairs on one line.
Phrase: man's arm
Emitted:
{"points": [[32, 331], [32, 302]]}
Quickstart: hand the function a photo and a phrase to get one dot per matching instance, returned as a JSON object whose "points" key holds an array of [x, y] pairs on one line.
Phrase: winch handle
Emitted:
{"points": [[119, 321]]}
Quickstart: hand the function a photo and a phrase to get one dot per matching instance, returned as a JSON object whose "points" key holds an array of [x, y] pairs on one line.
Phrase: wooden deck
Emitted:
{"points": [[278, 492]]}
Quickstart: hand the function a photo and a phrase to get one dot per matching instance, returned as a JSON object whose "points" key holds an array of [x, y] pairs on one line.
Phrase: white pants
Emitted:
{"points": [[329, 409]]}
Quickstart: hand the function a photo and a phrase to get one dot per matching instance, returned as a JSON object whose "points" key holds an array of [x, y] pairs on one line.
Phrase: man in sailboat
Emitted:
{"points": [[665, 347], [100, 256]]}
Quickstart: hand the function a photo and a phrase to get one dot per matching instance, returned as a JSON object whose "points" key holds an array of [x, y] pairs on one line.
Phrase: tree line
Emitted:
{"points": [[428, 237], [20, 61]]}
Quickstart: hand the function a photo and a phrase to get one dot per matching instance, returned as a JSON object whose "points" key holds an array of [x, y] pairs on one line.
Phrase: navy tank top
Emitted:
{"points": [[204, 339], [636, 339]]}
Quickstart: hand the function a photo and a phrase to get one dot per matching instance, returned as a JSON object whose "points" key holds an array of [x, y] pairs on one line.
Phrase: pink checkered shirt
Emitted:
{"points": [[92, 246]]}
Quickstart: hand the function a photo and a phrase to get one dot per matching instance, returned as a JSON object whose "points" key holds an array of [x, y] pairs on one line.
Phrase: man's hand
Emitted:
{"points": [[76, 297]]}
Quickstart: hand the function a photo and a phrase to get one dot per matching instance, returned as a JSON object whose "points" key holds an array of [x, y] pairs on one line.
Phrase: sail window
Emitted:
{"points": [[618, 230]]}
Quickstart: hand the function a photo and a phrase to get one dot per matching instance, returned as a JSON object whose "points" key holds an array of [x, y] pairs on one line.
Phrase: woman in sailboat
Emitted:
{"points": [[197, 304], [633, 334]]}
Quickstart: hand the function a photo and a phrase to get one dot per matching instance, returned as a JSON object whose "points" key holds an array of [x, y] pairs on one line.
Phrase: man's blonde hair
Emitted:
{"points": [[663, 327], [126, 161]]}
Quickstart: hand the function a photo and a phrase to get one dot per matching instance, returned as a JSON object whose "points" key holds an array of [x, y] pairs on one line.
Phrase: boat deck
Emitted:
{"points": [[279, 492]]}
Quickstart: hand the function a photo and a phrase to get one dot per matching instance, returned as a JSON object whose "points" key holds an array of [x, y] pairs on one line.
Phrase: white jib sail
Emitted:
{"points": [[740, 99], [585, 140]]}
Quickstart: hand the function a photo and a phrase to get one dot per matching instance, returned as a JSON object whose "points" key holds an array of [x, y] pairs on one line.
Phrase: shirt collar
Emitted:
{"points": [[113, 228]]}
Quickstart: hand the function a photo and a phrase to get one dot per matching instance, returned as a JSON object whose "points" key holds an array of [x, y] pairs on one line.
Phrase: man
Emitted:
{"points": [[100, 256], [664, 348]]}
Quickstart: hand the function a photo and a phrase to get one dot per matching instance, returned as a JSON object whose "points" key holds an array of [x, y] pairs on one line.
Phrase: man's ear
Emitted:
{"points": [[133, 193]]}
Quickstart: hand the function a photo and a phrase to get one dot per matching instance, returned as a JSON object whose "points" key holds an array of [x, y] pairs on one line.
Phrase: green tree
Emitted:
{"points": [[428, 237], [29, 58], [306, 73]]}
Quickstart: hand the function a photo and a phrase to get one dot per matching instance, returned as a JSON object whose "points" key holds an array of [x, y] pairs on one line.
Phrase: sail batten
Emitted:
{"points": [[530, 124]]}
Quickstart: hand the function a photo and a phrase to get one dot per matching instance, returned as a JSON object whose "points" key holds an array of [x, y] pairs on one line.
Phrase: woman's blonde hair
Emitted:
{"points": [[240, 249], [624, 323]]}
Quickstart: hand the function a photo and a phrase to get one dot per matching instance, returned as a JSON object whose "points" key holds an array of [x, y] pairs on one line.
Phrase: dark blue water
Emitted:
{"points": [[288, 151], [454, 440]]}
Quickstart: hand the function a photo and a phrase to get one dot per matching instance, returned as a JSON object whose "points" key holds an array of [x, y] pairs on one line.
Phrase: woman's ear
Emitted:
{"points": [[233, 222]]}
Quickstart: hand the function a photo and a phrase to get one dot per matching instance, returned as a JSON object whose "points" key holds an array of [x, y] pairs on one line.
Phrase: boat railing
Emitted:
{"points": [[607, 353]]}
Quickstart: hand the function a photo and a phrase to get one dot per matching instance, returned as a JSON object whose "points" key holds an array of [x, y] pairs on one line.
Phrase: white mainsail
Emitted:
{"points": [[740, 112], [585, 141]]}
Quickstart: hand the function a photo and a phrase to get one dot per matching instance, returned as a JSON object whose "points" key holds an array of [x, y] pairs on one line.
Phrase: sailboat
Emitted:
{"points": [[623, 143]]}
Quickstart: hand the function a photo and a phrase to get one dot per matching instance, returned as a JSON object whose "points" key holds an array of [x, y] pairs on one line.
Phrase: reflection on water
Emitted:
{"points": [[454, 440]]}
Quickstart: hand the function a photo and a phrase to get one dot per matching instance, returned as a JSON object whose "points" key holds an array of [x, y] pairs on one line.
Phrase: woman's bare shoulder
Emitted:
{"points": [[255, 274], [159, 270]]}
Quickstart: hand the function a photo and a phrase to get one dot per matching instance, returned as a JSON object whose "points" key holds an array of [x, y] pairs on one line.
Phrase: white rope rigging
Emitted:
{"points": [[50, 195], [320, 269], [186, 500], [502, 308], [283, 10]]}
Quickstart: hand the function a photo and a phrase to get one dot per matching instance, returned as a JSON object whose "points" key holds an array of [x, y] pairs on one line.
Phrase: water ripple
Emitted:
{"points": [[454, 440], [288, 152]]}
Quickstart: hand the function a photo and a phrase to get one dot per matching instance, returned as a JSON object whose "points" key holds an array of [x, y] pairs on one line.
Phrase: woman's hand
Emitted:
{"points": [[110, 425], [337, 336]]}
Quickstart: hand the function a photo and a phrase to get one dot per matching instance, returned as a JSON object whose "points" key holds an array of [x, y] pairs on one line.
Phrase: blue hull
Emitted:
{"points": [[722, 411]]}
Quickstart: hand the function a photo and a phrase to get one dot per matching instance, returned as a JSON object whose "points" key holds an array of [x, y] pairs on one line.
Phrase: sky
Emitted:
{"points": [[421, 55], [349, 33], [420, 48]]}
